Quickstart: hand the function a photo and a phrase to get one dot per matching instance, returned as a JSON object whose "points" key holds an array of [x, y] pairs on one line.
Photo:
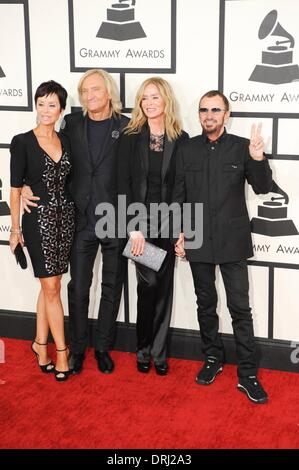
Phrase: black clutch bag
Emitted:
{"points": [[152, 257], [20, 256]]}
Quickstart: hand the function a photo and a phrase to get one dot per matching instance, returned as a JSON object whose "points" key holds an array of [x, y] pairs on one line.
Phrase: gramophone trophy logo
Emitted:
{"points": [[121, 24], [277, 60], [272, 219], [2, 74], [4, 209]]}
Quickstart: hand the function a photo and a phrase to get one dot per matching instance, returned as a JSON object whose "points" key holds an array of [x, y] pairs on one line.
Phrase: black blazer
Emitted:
{"points": [[133, 164], [74, 127], [218, 181]]}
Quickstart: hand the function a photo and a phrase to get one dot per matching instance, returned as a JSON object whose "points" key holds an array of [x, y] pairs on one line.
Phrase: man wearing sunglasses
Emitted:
{"points": [[212, 169]]}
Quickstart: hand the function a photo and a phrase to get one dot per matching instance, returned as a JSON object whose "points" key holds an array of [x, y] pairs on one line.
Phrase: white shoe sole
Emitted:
{"points": [[244, 390], [211, 381]]}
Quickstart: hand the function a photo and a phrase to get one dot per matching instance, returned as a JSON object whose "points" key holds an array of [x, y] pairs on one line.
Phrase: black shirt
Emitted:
{"points": [[96, 135], [154, 177], [97, 132]]}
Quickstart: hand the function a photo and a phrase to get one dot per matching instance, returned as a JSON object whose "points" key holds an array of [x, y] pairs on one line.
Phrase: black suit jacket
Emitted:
{"points": [[217, 178], [74, 127], [133, 165]]}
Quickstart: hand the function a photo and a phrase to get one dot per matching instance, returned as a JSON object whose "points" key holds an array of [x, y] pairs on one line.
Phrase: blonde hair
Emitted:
{"points": [[115, 104], [173, 127]]}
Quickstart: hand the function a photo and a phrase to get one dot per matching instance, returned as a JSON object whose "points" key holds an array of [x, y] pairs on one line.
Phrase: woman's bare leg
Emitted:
{"points": [[42, 330], [51, 289]]}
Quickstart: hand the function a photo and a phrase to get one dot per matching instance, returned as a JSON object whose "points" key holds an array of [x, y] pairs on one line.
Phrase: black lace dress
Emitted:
{"points": [[48, 230]]}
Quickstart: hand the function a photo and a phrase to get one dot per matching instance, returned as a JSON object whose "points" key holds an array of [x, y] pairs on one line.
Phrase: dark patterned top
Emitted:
{"points": [[156, 142], [56, 219]]}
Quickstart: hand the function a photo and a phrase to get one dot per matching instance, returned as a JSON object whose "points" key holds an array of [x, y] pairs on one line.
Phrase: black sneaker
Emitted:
{"points": [[253, 389], [209, 370]]}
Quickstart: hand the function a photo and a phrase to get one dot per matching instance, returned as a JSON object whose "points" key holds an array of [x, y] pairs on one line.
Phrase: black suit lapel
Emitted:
{"points": [[83, 130], [168, 149]]}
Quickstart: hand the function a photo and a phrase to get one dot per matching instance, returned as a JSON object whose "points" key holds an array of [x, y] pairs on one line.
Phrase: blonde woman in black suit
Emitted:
{"points": [[145, 174]]}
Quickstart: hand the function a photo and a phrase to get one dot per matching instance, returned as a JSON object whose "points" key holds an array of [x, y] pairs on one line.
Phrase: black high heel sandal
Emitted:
{"points": [[64, 374], [46, 368]]}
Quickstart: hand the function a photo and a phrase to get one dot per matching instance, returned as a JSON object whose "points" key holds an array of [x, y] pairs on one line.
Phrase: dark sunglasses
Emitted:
{"points": [[213, 110]]}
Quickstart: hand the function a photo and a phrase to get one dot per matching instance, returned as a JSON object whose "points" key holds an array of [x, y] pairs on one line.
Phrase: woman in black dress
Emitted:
{"points": [[40, 158], [146, 175]]}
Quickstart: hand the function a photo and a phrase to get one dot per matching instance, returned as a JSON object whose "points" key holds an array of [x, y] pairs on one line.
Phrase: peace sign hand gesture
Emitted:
{"points": [[256, 147]]}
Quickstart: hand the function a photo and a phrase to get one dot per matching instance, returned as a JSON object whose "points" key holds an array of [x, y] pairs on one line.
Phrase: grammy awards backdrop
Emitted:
{"points": [[249, 49]]}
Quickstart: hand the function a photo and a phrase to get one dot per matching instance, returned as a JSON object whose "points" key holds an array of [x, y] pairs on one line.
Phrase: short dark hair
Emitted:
{"points": [[212, 93], [50, 88]]}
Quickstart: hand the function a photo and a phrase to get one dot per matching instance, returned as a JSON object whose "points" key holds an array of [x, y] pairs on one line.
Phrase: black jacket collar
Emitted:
{"points": [[207, 140]]}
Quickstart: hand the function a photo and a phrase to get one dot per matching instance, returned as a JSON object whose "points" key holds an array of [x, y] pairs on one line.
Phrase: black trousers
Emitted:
{"points": [[154, 305], [83, 255], [235, 278]]}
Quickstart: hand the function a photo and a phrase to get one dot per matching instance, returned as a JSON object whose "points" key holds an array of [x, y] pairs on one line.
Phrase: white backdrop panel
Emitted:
{"points": [[288, 136], [150, 50], [280, 249], [244, 46], [286, 315], [13, 85]]}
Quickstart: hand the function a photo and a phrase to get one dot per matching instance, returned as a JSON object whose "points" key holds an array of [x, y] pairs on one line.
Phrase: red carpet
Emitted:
{"points": [[129, 410]]}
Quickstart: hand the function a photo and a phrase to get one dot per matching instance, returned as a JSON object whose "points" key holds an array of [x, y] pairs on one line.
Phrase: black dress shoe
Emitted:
{"points": [[76, 363], [143, 367], [161, 369], [105, 362]]}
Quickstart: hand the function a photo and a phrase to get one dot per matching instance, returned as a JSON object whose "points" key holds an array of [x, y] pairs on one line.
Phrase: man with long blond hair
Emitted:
{"points": [[145, 174], [93, 134]]}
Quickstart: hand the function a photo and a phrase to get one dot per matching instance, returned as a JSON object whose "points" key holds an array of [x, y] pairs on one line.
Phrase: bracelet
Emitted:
{"points": [[15, 230]]}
